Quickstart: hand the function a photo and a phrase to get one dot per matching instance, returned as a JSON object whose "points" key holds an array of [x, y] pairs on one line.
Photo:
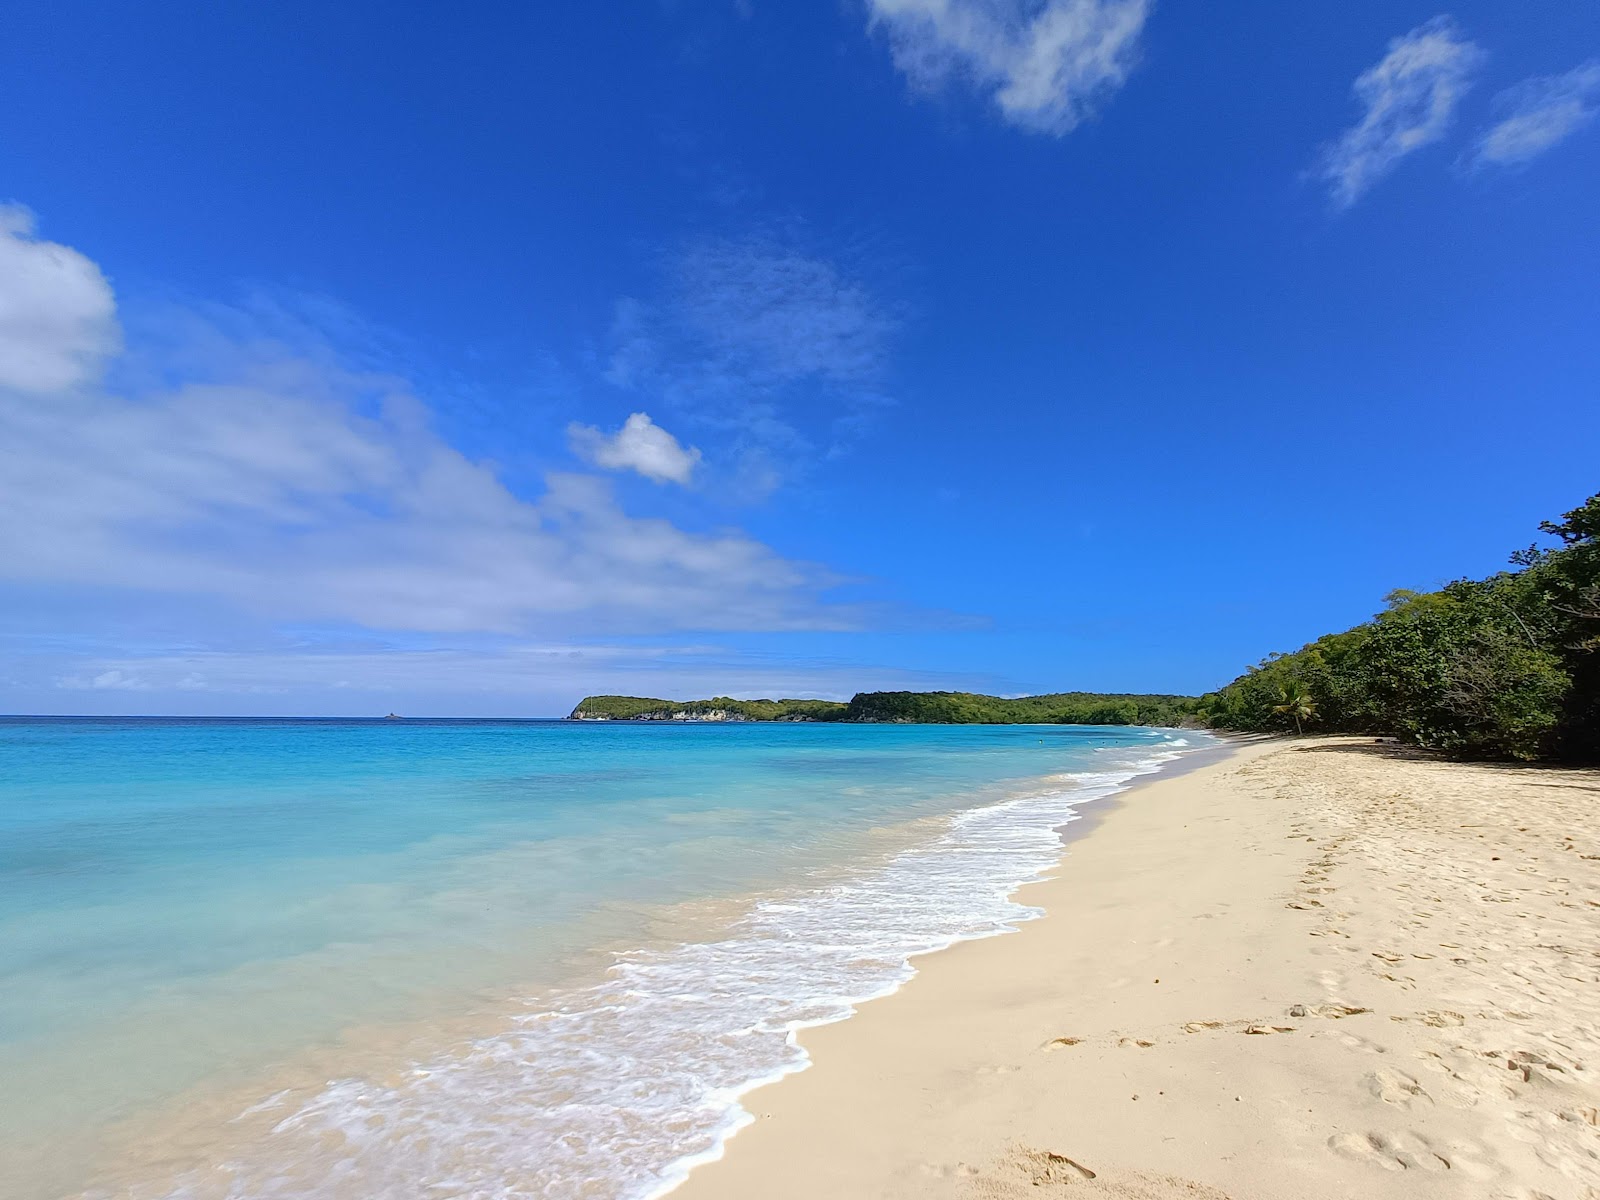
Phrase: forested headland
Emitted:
{"points": [[1058, 708], [1506, 667]]}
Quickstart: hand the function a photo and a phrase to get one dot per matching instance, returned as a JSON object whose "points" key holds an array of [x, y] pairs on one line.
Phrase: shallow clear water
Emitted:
{"points": [[345, 956]]}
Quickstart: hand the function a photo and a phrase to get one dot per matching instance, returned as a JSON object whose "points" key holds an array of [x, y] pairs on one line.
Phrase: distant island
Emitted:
{"points": [[926, 708]]}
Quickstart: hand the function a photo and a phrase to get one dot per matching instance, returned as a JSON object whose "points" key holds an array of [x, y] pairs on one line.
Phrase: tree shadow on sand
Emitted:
{"points": [[1583, 778]]}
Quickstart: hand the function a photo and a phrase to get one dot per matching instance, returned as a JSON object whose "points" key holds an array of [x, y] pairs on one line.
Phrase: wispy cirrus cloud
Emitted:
{"points": [[270, 480], [778, 349], [1048, 64], [1536, 115], [1409, 99], [111, 679]]}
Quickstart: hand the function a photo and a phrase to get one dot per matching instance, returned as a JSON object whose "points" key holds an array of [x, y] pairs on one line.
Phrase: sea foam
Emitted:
{"points": [[619, 1089]]}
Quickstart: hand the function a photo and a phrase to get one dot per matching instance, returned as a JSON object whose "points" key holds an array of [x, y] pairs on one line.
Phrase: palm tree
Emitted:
{"points": [[1295, 701]]}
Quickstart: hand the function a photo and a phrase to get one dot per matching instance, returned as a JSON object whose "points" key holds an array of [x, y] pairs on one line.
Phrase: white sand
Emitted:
{"points": [[1314, 970]]}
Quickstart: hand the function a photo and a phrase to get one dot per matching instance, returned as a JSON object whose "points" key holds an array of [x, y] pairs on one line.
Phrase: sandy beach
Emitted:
{"points": [[1316, 968]]}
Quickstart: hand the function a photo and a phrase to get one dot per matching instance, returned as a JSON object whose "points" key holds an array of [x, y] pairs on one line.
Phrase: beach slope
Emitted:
{"points": [[1314, 969]]}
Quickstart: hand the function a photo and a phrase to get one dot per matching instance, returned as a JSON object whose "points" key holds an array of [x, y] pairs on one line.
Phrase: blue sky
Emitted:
{"points": [[467, 361]]}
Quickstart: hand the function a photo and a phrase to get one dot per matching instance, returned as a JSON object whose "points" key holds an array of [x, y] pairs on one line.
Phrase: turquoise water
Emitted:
{"points": [[508, 958]]}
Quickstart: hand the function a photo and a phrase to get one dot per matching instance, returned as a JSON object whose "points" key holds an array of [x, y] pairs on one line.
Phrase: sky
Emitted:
{"points": [[466, 360]]}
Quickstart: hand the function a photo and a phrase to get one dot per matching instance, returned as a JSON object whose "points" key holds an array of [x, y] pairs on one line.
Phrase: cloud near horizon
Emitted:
{"points": [[1048, 64], [512, 677], [1409, 97], [279, 484], [1537, 114], [640, 445]]}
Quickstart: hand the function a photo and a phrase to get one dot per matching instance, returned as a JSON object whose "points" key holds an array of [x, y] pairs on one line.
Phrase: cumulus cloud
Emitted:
{"points": [[57, 314], [1409, 98], [640, 445], [1536, 114], [1047, 63], [285, 486]]}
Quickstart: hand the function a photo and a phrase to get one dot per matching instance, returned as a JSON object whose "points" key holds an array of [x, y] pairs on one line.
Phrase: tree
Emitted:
{"points": [[1294, 701], [1503, 667]]}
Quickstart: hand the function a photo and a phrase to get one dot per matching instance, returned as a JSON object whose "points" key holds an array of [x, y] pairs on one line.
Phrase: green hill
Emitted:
{"points": [[1058, 708], [928, 708], [719, 708]]}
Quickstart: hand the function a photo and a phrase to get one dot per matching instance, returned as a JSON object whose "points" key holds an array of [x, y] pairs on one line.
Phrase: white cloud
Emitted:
{"points": [[292, 503], [289, 488], [57, 315], [1048, 63], [1410, 97], [640, 445], [1537, 114]]}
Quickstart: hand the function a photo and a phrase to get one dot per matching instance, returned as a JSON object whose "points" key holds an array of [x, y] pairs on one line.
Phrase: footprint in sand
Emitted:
{"points": [[1351, 1041], [1337, 1012], [1397, 1088], [1331, 1012], [1062, 1043], [1198, 1026], [1266, 1029], [1400, 1152], [1046, 1166], [948, 1170]]}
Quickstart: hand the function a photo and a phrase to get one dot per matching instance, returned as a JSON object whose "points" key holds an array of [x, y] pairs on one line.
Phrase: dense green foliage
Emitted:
{"points": [[1062, 708], [1504, 667], [642, 708], [928, 708]]}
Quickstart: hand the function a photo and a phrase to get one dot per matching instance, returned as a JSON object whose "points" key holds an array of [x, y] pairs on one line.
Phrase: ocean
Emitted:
{"points": [[329, 959]]}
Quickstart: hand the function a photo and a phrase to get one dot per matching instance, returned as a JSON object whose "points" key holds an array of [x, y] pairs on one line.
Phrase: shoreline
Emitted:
{"points": [[1270, 1019], [696, 1172], [1093, 812], [1085, 813], [274, 1118]]}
